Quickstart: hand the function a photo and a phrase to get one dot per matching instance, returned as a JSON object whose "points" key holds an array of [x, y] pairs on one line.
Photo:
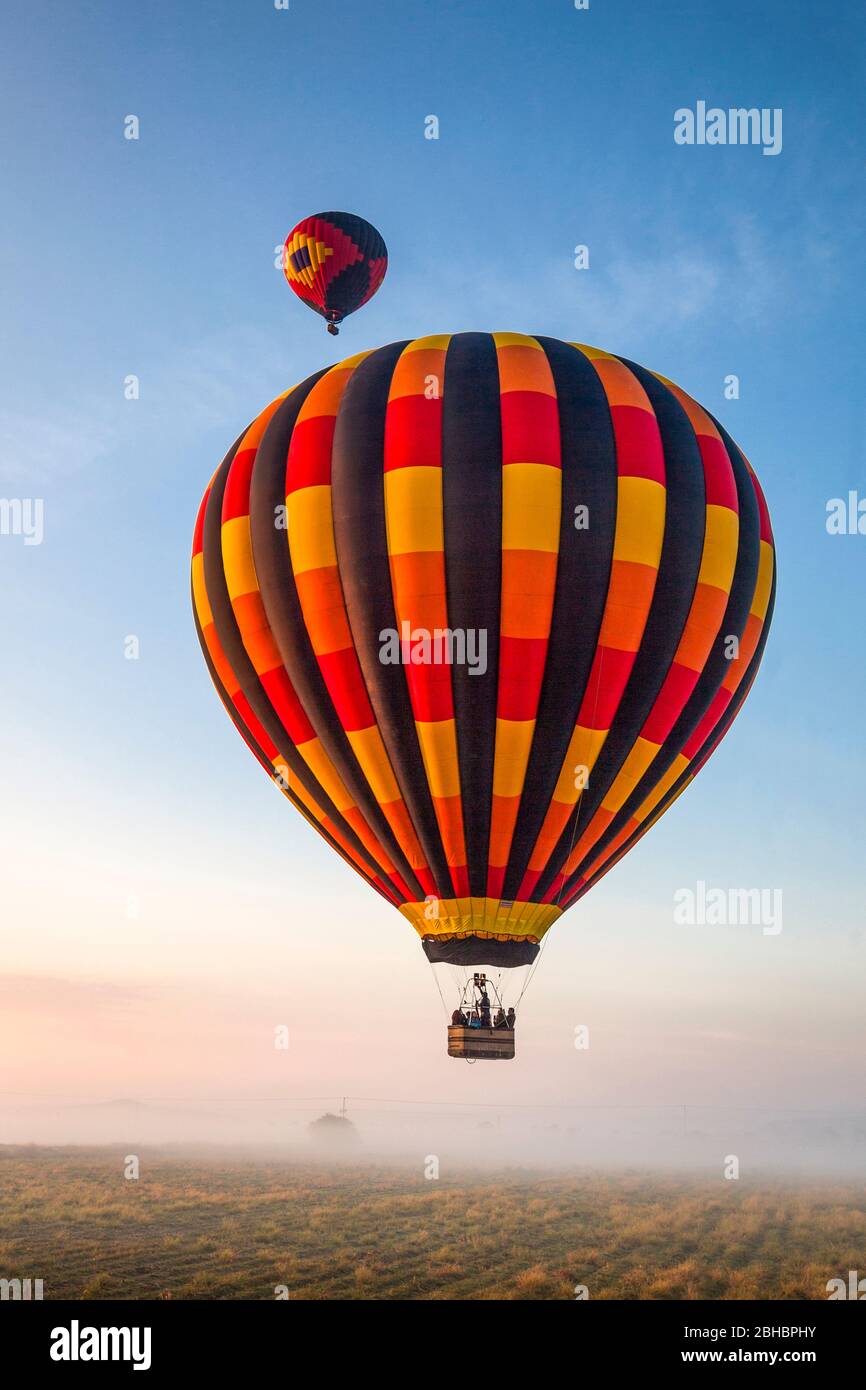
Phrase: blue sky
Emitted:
{"points": [[148, 862]]}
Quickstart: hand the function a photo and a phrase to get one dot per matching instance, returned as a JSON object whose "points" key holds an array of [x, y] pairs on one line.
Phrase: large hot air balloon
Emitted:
{"points": [[483, 605], [334, 262]]}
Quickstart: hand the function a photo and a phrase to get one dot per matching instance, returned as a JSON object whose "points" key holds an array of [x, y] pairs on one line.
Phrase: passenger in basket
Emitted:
{"points": [[485, 1008]]}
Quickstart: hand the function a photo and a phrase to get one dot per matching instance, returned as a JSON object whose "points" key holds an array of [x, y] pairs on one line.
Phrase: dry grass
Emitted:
{"points": [[215, 1228]]}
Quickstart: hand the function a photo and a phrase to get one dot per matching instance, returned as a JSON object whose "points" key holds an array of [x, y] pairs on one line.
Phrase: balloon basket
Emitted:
{"points": [[481, 1044]]}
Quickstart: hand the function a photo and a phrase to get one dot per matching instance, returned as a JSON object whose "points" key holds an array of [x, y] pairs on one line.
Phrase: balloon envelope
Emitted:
{"points": [[334, 262], [483, 605]]}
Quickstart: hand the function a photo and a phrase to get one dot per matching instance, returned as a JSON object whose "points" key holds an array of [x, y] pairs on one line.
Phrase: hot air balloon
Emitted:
{"points": [[483, 605], [334, 262]]}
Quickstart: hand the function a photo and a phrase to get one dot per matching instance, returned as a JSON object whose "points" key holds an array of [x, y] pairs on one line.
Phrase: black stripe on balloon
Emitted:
{"points": [[717, 665], [358, 502], [245, 733], [260, 756], [244, 671], [589, 479], [705, 751], [285, 618], [679, 565], [472, 517]]}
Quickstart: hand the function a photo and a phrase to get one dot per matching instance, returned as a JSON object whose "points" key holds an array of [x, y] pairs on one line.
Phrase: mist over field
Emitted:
{"points": [[671, 1138]]}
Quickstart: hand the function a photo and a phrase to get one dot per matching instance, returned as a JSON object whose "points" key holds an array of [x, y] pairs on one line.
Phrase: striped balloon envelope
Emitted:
{"points": [[334, 262], [483, 605]]}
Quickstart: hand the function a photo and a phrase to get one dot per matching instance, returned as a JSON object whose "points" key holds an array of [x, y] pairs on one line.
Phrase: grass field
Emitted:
{"points": [[208, 1226]]}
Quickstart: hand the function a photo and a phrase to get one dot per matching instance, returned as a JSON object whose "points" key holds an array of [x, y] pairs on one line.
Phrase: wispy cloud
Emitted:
{"points": [[35, 448], [629, 294], [31, 994], [215, 383]]}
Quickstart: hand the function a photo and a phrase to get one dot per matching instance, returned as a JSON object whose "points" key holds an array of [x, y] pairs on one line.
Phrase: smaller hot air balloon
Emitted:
{"points": [[334, 262]]}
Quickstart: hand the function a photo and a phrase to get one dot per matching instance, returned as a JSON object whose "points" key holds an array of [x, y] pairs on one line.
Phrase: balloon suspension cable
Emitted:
{"points": [[439, 987], [532, 971]]}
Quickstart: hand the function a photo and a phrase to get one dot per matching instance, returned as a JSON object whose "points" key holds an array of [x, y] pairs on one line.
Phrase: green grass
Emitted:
{"points": [[212, 1227]]}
